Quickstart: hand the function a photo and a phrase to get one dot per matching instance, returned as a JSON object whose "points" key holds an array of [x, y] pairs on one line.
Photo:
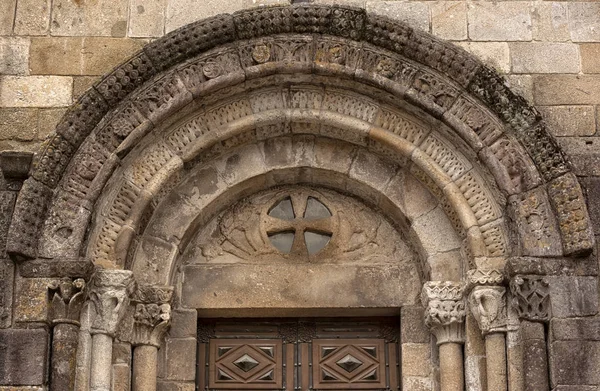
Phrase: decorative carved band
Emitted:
{"points": [[152, 294], [488, 306], [66, 299], [110, 291], [531, 297], [492, 277], [445, 310]]}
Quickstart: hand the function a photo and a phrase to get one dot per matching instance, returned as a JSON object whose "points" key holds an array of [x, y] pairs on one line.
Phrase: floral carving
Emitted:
{"points": [[444, 310], [66, 299], [151, 323], [261, 54], [531, 297]]}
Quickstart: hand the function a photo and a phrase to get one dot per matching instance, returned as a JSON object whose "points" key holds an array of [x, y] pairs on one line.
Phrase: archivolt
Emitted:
{"points": [[272, 75]]}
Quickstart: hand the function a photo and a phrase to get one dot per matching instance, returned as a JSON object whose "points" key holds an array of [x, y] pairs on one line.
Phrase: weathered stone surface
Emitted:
{"points": [[269, 286], [412, 327], [182, 12], [584, 329], [582, 154], [551, 266], [414, 14], [79, 55], [494, 54], [31, 304], [184, 324], [7, 16], [175, 386], [590, 57], [575, 362], [573, 296], [583, 21], [449, 20], [23, 357], [575, 90], [535, 358], [565, 121], [7, 203], [32, 17], [416, 359], [14, 55], [179, 366], [6, 292], [550, 21], [94, 19], [503, 21], [64, 349], [147, 19], [522, 85], [57, 268], [18, 123], [35, 91], [592, 186], [545, 152], [545, 57]]}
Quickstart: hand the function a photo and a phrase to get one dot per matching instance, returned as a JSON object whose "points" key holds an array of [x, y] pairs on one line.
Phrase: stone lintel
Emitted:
{"points": [[51, 268]]}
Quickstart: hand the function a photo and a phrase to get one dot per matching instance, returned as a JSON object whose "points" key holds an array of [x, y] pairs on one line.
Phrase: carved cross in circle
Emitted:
{"points": [[299, 224]]}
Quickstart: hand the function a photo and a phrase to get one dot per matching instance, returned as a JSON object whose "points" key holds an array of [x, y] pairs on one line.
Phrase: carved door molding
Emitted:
{"points": [[299, 354]]}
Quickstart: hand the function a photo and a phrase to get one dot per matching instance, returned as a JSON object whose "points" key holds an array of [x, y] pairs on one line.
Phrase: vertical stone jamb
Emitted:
{"points": [[109, 292], [66, 300], [445, 317], [487, 302], [531, 301], [152, 318]]}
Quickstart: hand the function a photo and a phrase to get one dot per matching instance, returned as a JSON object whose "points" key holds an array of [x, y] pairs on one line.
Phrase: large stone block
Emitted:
{"points": [[32, 17], [564, 121], [23, 357], [181, 359], [31, 304], [590, 57], [175, 386], [182, 12], [14, 55], [449, 20], [583, 154], [7, 16], [583, 21], [415, 14], [494, 54], [574, 90], [412, 325], [35, 91], [7, 273], [18, 123], [573, 296], [545, 57], [584, 329], [592, 188], [500, 21], [147, 18], [550, 21], [184, 324], [416, 359], [100, 18], [575, 363]]}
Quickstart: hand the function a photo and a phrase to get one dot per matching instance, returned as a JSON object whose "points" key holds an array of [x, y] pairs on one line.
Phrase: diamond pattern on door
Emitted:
{"points": [[348, 364], [247, 364]]}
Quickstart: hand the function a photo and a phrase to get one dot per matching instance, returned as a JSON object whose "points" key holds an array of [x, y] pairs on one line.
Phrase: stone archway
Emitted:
{"points": [[281, 78]]}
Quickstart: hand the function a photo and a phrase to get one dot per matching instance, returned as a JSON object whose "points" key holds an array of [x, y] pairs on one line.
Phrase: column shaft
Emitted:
{"points": [[495, 352], [144, 368], [64, 351], [451, 367], [101, 362]]}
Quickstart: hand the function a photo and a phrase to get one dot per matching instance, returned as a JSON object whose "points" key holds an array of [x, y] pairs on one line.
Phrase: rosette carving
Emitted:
{"points": [[444, 310]]}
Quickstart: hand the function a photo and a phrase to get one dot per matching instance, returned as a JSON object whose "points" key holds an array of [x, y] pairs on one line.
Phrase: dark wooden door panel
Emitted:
{"points": [[298, 354]]}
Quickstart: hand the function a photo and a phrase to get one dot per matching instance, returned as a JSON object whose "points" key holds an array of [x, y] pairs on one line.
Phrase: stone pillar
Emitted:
{"points": [[66, 299], [109, 292], [151, 320], [488, 306], [531, 301], [445, 316]]}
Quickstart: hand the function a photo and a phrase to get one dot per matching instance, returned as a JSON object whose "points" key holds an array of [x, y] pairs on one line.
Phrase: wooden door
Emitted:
{"points": [[298, 354]]}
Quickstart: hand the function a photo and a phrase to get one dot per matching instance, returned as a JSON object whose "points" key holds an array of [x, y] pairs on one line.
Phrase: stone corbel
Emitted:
{"points": [[152, 314], [445, 310], [531, 297], [110, 292], [66, 300]]}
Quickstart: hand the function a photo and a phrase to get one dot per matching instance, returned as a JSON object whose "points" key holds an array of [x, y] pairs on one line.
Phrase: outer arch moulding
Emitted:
{"points": [[476, 81]]}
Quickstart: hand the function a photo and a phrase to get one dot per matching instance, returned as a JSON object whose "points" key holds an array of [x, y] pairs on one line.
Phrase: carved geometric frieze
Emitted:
{"points": [[488, 306], [489, 277], [109, 292], [531, 297], [444, 310], [66, 300]]}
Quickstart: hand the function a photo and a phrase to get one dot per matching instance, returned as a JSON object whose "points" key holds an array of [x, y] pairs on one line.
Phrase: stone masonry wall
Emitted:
{"points": [[53, 50]]}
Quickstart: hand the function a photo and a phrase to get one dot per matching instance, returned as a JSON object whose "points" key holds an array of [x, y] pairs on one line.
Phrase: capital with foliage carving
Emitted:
{"points": [[110, 291], [445, 310], [488, 306], [66, 300], [531, 297], [152, 315]]}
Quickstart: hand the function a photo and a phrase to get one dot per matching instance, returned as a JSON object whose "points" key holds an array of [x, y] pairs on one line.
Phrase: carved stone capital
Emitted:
{"points": [[531, 297], [151, 322], [66, 300], [477, 277], [445, 310], [152, 314], [109, 292], [488, 306]]}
